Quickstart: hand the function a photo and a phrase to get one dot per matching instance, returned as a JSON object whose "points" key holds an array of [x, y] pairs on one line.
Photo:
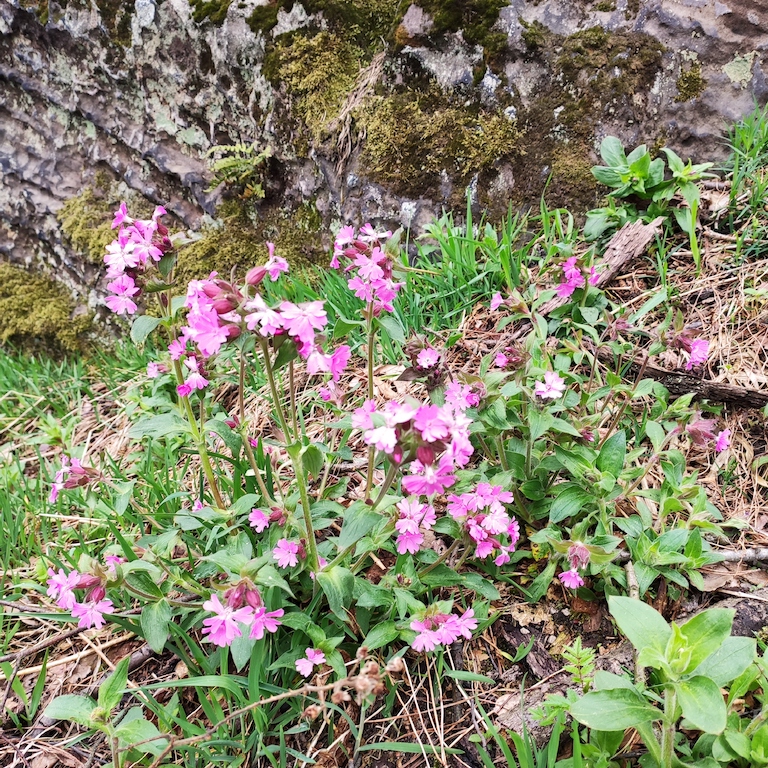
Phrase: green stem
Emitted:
{"points": [[448, 552], [502, 454], [294, 412], [254, 466], [275, 396], [199, 438], [301, 481], [371, 340], [668, 728], [388, 480], [757, 722]]}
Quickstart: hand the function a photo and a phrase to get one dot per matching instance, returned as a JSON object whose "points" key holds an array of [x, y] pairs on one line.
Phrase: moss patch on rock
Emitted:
{"points": [[317, 72], [214, 11], [237, 241], [690, 83], [413, 139], [86, 220], [37, 313]]}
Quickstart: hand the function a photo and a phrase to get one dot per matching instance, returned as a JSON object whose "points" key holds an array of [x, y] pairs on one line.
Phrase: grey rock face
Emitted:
{"points": [[76, 102]]}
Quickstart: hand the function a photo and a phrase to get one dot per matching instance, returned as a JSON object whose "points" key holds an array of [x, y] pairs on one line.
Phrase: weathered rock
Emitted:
{"points": [[96, 92]]}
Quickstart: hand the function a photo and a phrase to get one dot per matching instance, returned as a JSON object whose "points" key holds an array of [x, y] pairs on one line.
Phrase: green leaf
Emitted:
{"points": [[612, 152], [538, 423], [392, 328], [706, 632], [730, 660], [162, 425], [312, 460], [656, 434], [607, 681], [702, 703], [469, 677], [381, 635], [620, 708], [337, 583], [242, 648], [124, 496], [154, 619], [142, 326], [359, 520], [142, 730], [643, 626], [78, 709], [613, 453], [111, 690], [269, 576], [569, 501]]}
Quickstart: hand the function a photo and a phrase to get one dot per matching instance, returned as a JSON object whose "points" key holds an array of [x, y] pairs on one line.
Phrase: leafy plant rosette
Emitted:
{"points": [[538, 443]]}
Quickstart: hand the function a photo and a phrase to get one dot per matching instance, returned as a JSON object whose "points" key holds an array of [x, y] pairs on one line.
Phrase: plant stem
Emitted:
{"points": [[294, 412], [448, 552], [273, 389], [254, 466], [668, 728], [371, 340], [199, 438], [388, 480], [301, 481]]}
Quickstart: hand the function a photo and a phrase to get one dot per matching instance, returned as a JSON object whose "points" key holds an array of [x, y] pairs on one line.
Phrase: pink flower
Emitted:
{"points": [[571, 579], [578, 555], [275, 265], [61, 586], [258, 520], [428, 358], [177, 348], [723, 440], [467, 623], [430, 422], [121, 215], [501, 360], [496, 301], [551, 388], [204, 329], [222, 628], [262, 620], [302, 320], [121, 305], [90, 614], [384, 438], [701, 430], [698, 354], [429, 479], [410, 541], [286, 553], [361, 417], [594, 276], [112, 562], [314, 658]]}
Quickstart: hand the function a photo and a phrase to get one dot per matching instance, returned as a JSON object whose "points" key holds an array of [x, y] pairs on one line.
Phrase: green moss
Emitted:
{"points": [[214, 11], [690, 84], [86, 220], [474, 18], [317, 72], [237, 241], [412, 139], [606, 6], [36, 313], [534, 34], [116, 16]]}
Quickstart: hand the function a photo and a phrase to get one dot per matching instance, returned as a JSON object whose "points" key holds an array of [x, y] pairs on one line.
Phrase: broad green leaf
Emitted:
{"points": [[656, 434], [569, 501], [154, 619], [442, 576], [71, 707], [359, 520], [538, 423], [141, 731], [706, 632], [702, 703], [619, 707], [612, 152], [111, 690], [160, 426], [613, 453], [337, 583], [392, 328], [142, 326], [313, 460], [242, 648], [269, 576], [643, 625], [607, 681], [381, 635], [731, 659]]}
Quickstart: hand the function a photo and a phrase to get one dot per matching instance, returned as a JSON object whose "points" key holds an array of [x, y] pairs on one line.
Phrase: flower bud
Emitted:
{"points": [[253, 598], [236, 595], [87, 580], [96, 594], [425, 454], [255, 275]]}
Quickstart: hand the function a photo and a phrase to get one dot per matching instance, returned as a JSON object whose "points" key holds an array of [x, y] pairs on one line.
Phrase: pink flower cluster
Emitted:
{"points": [[373, 282], [313, 657], [414, 518], [243, 605], [551, 388], [71, 474], [138, 242], [438, 628], [578, 558], [434, 439], [573, 277], [702, 432], [485, 519], [62, 586], [697, 349]]}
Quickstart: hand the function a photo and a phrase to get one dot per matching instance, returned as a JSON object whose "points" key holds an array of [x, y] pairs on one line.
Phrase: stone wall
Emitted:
{"points": [[373, 109]]}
